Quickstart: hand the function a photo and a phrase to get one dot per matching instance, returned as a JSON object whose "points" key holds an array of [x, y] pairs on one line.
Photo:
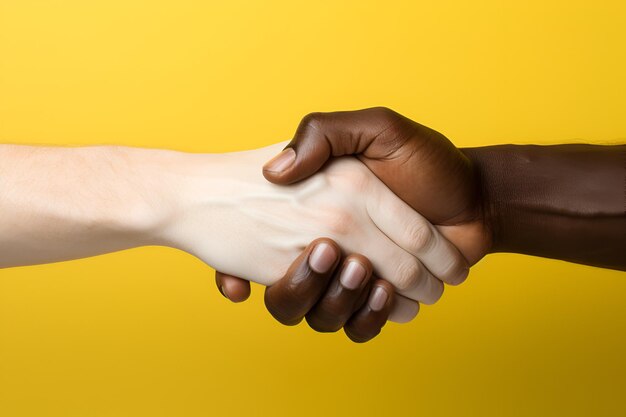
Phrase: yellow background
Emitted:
{"points": [[145, 333]]}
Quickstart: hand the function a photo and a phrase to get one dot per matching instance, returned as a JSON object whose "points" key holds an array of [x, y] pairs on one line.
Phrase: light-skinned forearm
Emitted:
{"points": [[65, 203], [60, 203]]}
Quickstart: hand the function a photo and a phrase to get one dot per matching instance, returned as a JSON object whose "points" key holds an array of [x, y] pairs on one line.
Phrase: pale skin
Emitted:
{"points": [[66, 203], [561, 201]]}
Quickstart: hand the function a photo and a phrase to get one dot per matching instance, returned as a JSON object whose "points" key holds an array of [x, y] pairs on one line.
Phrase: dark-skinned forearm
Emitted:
{"points": [[564, 201]]}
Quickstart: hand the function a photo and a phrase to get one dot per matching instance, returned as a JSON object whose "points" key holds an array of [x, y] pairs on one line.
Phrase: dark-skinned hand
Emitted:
{"points": [[419, 164], [329, 299]]}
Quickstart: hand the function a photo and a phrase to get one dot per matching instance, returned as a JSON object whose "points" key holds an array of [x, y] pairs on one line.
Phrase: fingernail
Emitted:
{"points": [[281, 162], [378, 299], [224, 292], [352, 275], [322, 258]]}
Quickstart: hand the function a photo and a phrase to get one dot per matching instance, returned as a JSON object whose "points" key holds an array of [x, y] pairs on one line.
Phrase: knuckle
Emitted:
{"points": [[407, 275], [282, 314], [395, 128], [341, 223], [325, 321], [420, 237], [287, 305], [312, 120], [385, 113], [348, 175]]}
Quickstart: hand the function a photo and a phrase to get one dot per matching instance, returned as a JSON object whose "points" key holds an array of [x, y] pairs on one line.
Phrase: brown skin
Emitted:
{"points": [[320, 297], [565, 202], [417, 163]]}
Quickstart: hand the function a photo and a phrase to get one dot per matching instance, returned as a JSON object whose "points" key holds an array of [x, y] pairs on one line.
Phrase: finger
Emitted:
{"points": [[367, 323], [234, 288], [345, 294], [404, 309], [407, 274], [322, 135], [305, 281], [412, 232]]}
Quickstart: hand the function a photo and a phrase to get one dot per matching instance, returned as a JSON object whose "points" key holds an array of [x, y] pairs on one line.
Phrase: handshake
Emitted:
{"points": [[359, 219], [378, 212]]}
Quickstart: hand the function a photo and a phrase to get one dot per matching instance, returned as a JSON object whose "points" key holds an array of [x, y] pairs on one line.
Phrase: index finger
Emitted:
{"points": [[291, 298]]}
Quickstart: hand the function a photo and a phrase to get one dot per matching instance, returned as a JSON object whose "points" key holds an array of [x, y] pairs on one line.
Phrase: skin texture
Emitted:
{"points": [[321, 298], [566, 202], [338, 307], [65, 203], [419, 164], [235, 220]]}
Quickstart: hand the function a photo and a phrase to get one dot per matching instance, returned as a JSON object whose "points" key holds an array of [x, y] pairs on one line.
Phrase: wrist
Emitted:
{"points": [[220, 207], [208, 186], [491, 167], [156, 190], [561, 201]]}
